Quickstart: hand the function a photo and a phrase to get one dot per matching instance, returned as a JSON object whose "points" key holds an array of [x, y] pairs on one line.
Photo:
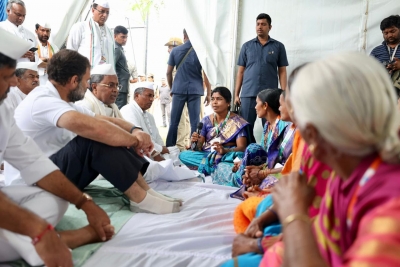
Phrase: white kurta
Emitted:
{"points": [[134, 114], [92, 41], [44, 52], [23, 153], [91, 102], [14, 97], [21, 32]]}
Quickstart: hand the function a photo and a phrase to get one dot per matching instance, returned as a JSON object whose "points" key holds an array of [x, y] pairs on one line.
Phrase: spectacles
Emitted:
{"points": [[31, 76], [103, 12], [112, 85]]}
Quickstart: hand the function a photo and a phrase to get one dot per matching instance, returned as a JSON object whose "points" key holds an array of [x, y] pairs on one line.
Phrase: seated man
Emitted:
{"points": [[136, 113], [82, 144], [23, 233], [103, 91], [28, 79]]}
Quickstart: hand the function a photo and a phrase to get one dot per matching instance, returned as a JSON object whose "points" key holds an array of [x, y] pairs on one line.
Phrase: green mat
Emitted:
{"points": [[111, 200]]}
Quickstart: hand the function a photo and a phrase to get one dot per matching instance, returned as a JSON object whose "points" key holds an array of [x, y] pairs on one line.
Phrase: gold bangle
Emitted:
{"points": [[294, 217]]}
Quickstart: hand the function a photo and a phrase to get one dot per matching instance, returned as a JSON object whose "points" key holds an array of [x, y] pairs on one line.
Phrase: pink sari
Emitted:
{"points": [[367, 233]]}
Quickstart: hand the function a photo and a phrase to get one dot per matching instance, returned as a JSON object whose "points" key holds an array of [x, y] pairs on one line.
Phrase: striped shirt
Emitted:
{"points": [[381, 52]]}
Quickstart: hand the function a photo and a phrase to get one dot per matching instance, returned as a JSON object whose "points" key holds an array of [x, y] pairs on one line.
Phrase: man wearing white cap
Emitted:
{"points": [[16, 13], [45, 49], [103, 91], [27, 80], [83, 144], [92, 38], [136, 113], [46, 192]]}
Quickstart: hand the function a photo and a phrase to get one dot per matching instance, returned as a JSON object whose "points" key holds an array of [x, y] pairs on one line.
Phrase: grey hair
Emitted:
{"points": [[20, 72], [18, 2], [95, 78], [139, 90]]}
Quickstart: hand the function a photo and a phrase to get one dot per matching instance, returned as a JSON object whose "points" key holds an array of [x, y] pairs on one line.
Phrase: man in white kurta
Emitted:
{"points": [[137, 113], [16, 13], [46, 191], [102, 93], [92, 38], [27, 80], [45, 50]]}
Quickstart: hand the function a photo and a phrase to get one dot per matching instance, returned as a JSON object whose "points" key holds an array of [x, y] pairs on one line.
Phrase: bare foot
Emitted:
{"points": [[85, 235]]}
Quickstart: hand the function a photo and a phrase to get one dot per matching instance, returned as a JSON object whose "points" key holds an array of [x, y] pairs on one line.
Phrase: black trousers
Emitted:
{"points": [[122, 99], [82, 160]]}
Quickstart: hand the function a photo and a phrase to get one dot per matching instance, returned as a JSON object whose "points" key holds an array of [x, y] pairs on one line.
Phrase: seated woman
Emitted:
{"points": [[261, 163], [352, 127], [255, 217], [222, 138]]}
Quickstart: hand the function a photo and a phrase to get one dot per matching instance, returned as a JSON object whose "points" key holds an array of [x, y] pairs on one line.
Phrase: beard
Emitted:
{"points": [[4, 96], [78, 93]]}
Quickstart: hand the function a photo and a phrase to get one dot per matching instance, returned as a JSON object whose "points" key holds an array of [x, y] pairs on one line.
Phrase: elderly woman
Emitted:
{"points": [[345, 108], [222, 138]]}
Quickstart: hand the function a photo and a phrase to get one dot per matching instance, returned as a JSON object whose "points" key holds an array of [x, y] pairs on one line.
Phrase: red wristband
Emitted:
{"points": [[36, 240]]}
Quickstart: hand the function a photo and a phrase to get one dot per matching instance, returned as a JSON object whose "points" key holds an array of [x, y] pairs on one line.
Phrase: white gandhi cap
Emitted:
{"points": [[44, 24], [103, 69], [102, 3], [27, 65], [148, 85], [13, 46]]}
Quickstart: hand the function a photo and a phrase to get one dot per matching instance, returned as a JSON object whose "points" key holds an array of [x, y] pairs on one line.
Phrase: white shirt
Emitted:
{"points": [[14, 97], [37, 117], [21, 151], [134, 114], [21, 32], [44, 52]]}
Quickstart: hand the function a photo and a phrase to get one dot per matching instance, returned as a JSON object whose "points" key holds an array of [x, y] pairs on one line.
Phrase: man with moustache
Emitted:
{"points": [[103, 91], [92, 38], [45, 49], [16, 13], [388, 53], [261, 62], [82, 144]]}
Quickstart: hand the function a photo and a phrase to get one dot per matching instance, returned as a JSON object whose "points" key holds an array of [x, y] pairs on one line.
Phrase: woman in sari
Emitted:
{"points": [[274, 148], [222, 138], [254, 219], [352, 127]]}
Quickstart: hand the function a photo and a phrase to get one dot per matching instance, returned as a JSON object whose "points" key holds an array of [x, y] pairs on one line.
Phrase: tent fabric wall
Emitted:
{"points": [[60, 14], [309, 29]]}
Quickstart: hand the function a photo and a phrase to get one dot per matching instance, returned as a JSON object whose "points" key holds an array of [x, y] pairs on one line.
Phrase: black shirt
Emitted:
{"points": [[121, 68]]}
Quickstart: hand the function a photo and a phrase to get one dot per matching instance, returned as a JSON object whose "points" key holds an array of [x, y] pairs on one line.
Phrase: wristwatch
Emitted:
{"points": [[85, 198], [136, 127]]}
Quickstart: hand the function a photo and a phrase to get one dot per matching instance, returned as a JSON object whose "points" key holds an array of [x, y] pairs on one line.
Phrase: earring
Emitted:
{"points": [[311, 148]]}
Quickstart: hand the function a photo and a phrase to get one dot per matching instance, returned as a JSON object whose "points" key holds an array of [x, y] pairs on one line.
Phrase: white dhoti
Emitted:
{"points": [[44, 204]]}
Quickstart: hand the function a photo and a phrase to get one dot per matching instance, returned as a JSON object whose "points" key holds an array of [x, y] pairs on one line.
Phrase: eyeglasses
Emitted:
{"points": [[112, 85], [103, 12], [31, 76]]}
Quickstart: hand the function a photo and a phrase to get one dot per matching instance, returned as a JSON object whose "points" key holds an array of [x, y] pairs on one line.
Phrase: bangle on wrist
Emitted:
{"points": [[39, 237], [295, 217], [259, 245]]}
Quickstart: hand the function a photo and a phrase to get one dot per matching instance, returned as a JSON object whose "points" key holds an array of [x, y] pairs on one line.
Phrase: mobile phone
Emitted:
{"points": [[33, 49]]}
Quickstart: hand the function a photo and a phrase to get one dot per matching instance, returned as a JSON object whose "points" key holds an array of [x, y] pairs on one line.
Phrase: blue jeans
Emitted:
{"points": [[178, 102]]}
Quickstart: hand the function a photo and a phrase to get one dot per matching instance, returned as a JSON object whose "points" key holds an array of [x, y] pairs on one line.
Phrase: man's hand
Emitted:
{"points": [[144, 145], [29, 54], [164, 150], [158, 158], [53, 251], [394, 66], [207, 100], [133, 80], [98, 219], [237, 100]]}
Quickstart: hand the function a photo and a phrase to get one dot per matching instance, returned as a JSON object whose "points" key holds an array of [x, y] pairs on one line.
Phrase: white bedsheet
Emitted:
{"points": [[201, 234]]}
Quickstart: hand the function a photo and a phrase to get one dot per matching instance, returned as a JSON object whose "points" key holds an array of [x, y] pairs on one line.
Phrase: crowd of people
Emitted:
{"points": [[319, 189]]}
